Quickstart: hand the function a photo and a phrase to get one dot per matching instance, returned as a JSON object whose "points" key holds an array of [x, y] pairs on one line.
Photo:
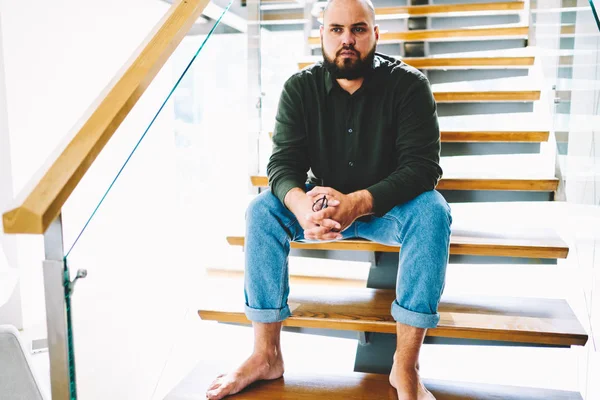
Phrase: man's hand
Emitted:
{"points": [[300, 204], [342, 209]]}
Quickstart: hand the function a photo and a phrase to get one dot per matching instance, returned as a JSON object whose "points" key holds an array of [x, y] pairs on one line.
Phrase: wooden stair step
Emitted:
{"points": [[361, 386], [516, 320], [512, 32], [517, 89], [442, 10], [529, 185], [467, 243], [499, 229], [402, 12], [516, 136], [522, 88], [477, 96], [510, 127], [217, 273], [495, 136], [500, 166], [282, 18], [531, 82], [453, 62]]}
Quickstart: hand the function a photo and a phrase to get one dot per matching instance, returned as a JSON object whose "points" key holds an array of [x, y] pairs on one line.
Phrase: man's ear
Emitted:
{"points": [[376, 32], [321, 30]]}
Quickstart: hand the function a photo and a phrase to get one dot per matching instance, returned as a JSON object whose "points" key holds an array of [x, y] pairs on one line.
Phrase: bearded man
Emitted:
{"points": [[356, 152]]}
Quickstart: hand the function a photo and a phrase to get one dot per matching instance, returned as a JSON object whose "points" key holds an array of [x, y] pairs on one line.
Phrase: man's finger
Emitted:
{"points": [[320, 190], [321, 234], [318, 216], [331, 224], [317, 231], [331, 236]]}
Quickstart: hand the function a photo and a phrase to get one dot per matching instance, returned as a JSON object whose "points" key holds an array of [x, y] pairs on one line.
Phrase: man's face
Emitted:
{"points": [[348, 39]]}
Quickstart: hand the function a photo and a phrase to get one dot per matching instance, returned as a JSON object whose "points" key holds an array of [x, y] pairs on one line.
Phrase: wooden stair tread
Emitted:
{"points": [[398, 12], [522, 320], [514, 123], [446, 9], [218, 273], [518, 32], [487, 96], [361, 386], [506, 89], [495, 136], [484, 136], [509, 127], [442, 10], [514, 83], [515, 184], [453, 62], [498, 166], [461, 242]]}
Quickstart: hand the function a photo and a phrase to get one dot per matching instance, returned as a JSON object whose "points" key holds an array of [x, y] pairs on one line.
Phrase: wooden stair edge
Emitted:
{"points": [[505, 319], [458, 246], [503, 96], [446, 34], [524, 184], [540, 136], [429, 9], [450, 136], [357, 385], [456, 62], [463, 9]]}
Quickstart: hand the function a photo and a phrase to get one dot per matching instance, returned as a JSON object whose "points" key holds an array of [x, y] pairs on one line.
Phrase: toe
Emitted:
{"points": [[221, 391], [213, 394], [216, 383]]}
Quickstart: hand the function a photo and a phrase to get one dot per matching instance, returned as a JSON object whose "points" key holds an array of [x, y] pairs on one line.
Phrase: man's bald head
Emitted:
{"points": [[368, 4]]}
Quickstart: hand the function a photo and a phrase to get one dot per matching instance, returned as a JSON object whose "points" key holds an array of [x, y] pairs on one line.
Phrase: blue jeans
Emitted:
{"points": [[421, 226]]}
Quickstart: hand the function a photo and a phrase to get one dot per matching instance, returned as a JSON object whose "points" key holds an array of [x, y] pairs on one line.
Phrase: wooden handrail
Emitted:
{"points": [[42, 199]]}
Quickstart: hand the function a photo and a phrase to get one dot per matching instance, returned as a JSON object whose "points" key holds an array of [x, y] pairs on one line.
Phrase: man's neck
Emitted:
{"points": [[350, 86]]}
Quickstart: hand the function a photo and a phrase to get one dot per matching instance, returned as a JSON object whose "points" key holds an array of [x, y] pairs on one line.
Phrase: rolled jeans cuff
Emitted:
{"points": [[415, 319], [268, 315]]}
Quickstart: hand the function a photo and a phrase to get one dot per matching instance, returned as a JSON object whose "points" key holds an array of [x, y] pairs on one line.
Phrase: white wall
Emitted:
{"points": [[10, 293], [59, 55]]}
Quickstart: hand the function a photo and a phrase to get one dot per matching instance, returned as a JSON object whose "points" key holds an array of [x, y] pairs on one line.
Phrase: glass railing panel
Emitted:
{"points": [[282, 46], [571, 62], [143, 242]]}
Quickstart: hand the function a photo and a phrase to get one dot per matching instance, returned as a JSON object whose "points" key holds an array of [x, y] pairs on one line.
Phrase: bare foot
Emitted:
{"points": [[260, 366], [409, 385]]}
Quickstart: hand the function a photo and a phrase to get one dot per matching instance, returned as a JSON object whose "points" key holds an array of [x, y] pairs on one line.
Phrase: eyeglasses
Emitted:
{"points": [[320, 204]]}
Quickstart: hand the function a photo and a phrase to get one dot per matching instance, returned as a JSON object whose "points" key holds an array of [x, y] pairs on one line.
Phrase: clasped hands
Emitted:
{"points": [[341, 211]]}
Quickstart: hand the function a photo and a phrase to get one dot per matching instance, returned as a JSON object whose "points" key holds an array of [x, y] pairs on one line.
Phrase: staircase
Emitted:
{"points": [[498, 178]]}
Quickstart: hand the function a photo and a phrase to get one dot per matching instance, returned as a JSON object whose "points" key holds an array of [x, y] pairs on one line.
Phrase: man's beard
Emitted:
{"points": [[351, 68]]}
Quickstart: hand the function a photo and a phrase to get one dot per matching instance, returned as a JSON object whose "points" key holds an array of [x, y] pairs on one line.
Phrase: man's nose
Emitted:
{"points": [[348, 39]]}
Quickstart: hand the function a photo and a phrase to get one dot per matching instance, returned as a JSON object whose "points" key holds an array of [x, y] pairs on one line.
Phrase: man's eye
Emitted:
{"points": [[359, 30], [337, 30]]}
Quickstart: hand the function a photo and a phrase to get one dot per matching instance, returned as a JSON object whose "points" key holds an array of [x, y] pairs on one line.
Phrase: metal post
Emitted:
{"points": [[308, 25], [255, 94], [57, 288]]}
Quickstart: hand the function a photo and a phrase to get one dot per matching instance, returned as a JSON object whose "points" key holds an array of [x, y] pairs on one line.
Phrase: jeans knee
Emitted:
{"points": [[261, 207], [433, 213], [440, 213]]}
